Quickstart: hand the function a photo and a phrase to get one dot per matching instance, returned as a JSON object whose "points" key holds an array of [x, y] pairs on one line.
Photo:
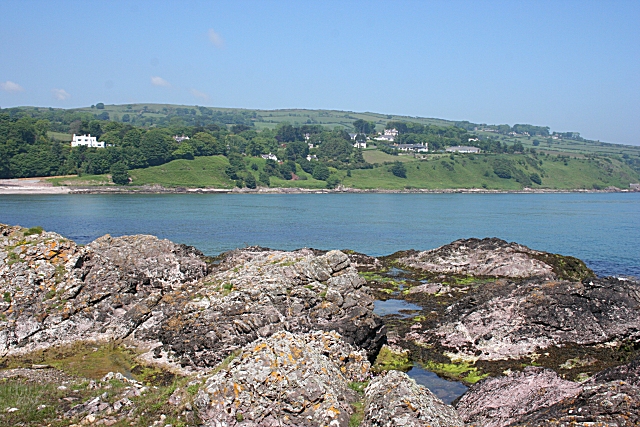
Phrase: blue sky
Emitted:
{"points": [[570, 65]]}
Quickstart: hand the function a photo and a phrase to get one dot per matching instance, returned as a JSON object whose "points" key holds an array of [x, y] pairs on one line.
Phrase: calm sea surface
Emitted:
{"points": [[601, 229]]}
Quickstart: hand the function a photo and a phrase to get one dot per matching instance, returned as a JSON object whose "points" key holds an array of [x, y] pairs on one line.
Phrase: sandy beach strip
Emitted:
{"points": [[30, 186]]}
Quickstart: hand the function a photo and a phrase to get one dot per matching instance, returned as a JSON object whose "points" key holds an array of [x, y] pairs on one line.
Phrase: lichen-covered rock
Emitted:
{"points": [[496, 258], [396, 400], [497, 402], [54, 292], [256, 292], [285, 380], [157, 294], [512, 320]]}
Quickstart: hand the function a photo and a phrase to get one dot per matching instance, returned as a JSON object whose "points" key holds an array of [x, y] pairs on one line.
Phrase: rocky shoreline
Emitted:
{"points": [[41, 186], [135, 330]]}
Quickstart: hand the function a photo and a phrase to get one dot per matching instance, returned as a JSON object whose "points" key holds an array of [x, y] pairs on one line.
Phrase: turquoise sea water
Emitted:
{"points": [[601, 229]]}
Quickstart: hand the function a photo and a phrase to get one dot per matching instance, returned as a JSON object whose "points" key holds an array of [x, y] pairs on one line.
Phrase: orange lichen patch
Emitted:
{"points": [[236, 389], [259, 347], [296, 352], [334, 411], [410, 406]]}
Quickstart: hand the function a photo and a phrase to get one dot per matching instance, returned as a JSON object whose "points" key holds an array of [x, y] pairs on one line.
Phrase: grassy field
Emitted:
{"points": [[477, 171], [200, 172], [435, 172], [59, 136], [377, 156]]}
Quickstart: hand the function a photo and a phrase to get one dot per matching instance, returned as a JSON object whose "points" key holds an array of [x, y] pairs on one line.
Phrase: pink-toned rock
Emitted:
{"points": [[492, 257], [501, 401]]}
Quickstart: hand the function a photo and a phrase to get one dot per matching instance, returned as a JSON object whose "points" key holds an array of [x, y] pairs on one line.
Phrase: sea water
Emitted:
{"points": [[603, 229]]}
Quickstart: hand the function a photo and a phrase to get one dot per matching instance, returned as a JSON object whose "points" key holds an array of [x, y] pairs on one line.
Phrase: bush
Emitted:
{"points": [[250, 181], [333, 181], [119, 174], [399, 170], [264, 179], [536, 178], [321, 172]]}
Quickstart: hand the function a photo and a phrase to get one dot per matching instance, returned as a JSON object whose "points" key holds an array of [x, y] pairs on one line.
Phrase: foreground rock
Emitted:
{"points": [[396, 400], [255, 293], [158, 295], [55, 292], [538, 397], [512, 320], [286, 380], [496, 258]]}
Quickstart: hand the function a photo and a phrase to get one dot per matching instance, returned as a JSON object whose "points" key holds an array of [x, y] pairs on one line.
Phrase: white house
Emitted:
{"points": [[420, 148], [180, 138], [311, 157], [389, 135], [361, 144], [463, 149], [86, 140], [353, 136], [269, 157]]}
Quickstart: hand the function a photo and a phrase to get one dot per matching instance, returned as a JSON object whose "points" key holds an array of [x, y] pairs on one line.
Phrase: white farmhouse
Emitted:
{"points": [[389, 135], [360, 144], [86, 140]]}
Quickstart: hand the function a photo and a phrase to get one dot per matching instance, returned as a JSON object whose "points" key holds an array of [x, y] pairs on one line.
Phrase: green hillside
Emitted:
{"points": [[458, 171]]}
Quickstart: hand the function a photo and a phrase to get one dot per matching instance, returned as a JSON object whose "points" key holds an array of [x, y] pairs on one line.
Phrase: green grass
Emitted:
{"points": [[476, 171], [377, 156], [435, 172], [80, 181], [59, 136], [198, 173]]}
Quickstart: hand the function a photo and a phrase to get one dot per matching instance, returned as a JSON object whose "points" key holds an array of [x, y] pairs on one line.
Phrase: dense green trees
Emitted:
{"points": [[321, 172], [363, 126], [119, 174]]}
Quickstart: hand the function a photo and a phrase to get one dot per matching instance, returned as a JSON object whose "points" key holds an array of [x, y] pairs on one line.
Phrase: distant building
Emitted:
{"points": [[361, 144], [269, 157], [635, 187], [463, 149], [87, 141], [419, 148], [180, 138], [311, 157], [353, 136], [389, 135]]}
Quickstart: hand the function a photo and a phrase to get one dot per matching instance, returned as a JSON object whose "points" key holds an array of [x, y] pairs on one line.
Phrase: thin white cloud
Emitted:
{"points": [[159, 81], [215, 38], [199, 94], [60, 94], [10, 86]]}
